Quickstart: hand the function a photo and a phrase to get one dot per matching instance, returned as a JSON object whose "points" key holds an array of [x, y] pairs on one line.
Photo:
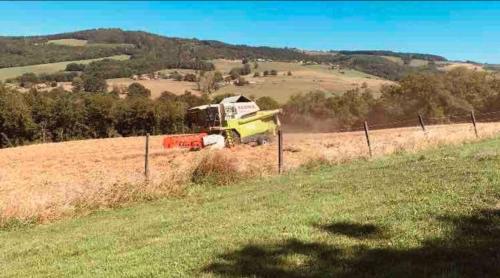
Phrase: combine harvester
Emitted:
{"points": [[233, 121]]}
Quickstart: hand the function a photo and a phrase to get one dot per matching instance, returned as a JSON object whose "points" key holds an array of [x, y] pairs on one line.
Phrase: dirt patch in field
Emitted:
{"points": [[49, 181]]}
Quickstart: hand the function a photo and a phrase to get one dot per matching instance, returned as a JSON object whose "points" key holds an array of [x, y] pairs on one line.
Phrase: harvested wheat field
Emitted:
{"points": [[156, 86], [48, 181]]}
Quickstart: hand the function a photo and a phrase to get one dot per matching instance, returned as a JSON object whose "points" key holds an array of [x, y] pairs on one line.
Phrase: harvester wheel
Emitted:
{"points": [[236, 137], [263, 140]]}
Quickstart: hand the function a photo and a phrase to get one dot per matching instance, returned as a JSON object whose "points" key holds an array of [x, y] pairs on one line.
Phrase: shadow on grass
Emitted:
{"points": [[471, 250], [355, 230]]}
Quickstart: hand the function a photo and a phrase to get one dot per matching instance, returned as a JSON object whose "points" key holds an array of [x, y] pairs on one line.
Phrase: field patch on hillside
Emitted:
{"points": [[413, 62], [303, 79], [157, 86], [68, 42], [6, 73], [447, 66]]}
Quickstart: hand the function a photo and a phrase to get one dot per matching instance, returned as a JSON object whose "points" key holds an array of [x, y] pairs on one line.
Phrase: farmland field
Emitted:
{"points": [[48, 181], [413, 62], [12, 72], [77, 42], [69, 42], [157, 86], [446, 66], [434, 213], [304, 79]]}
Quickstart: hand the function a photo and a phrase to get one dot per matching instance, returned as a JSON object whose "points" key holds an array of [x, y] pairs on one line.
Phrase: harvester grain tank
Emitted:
{"points": [[233, 121]]}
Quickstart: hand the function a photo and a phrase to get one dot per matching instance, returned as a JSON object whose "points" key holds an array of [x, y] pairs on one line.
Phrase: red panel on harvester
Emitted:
{"points": [[192, 141]]}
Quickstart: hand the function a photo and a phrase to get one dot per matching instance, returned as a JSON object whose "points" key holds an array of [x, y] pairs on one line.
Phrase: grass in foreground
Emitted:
{"points": [[431, 214]]}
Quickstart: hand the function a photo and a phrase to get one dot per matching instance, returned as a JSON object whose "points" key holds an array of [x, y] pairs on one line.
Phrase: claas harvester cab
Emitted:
{"points": [[234, 120]]}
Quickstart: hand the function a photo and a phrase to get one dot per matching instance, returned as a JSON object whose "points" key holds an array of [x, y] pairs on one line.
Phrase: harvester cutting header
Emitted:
{"points": [[233, 121]]}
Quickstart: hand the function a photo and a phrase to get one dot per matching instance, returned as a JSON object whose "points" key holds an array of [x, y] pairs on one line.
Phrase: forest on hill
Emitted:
{"points": [[403, 55], [150, 52]]}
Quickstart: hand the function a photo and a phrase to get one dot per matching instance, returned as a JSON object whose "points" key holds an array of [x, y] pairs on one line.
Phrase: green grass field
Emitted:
{"points": [[12, 72], [76, 42], [69, 42], [435, 213]]}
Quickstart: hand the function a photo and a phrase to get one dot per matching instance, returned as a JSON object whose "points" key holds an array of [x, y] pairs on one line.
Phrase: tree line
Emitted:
{"points": [[433, 95], [59, 115]]}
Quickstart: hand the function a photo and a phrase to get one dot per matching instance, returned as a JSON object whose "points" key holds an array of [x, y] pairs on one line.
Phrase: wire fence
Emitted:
{"points": [[418, 121], [427, 121]]}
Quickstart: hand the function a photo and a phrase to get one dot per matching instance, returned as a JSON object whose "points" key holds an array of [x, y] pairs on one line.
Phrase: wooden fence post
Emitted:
{"points": [[280, 151], [368, 138], [421, 121], [146, 158], [473, 118]]}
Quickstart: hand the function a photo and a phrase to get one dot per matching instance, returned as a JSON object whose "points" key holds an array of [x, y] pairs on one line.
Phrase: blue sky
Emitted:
{"points": [[456, 30]]}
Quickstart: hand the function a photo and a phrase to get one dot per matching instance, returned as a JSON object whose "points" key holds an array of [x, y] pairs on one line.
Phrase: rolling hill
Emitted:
{"points": [[151, 52], [332, 72], [303, 79]]}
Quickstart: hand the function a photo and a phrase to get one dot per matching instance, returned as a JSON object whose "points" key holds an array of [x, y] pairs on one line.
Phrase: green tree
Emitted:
{"points": [[245, 70], [169, 114], [95, 84], [75, 67], [218, 76], [138, 90], [99, 115], [68, 117], [135, 116], [28, 79], [234, 73], [207, 83], [219, 98], [267, 103], [16, 123]]}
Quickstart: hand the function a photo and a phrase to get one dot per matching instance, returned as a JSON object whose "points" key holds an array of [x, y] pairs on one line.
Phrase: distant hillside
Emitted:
{"points": [[403, 55], [149, 52], [98, 43], [381, 66]]}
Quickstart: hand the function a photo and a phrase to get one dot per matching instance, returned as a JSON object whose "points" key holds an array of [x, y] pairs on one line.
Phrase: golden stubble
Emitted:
{"points": [[48, 181]]}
